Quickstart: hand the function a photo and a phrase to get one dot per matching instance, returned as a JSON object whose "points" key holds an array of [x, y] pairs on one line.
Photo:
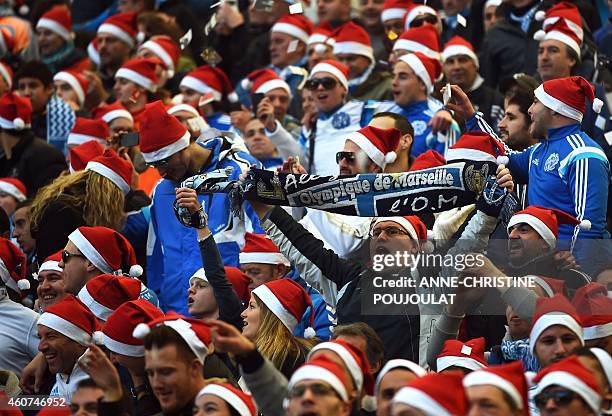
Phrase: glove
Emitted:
{"points": [[197, 219]]}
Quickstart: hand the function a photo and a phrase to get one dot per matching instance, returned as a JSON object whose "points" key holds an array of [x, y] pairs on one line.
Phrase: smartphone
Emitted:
{"points": [[256, 99], [130, 139]]}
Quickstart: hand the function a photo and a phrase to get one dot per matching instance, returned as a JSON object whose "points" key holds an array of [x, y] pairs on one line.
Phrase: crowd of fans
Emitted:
{"points": [[128, 289]]}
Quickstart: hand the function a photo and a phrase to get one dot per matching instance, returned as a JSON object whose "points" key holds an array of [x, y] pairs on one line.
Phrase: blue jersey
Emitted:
{"points": [[220, 121], [173, 254]]}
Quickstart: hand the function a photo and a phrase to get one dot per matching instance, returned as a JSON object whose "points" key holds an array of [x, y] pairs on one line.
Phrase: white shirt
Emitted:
{"points": [[18, 335], [66, 384]]}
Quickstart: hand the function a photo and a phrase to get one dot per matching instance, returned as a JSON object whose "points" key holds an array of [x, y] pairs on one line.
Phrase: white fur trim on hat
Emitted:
{"points": [[12, 190], [89, 251], [228, 396], [393, 13], [553, 318], [563, 38], [406, 225], [117, 32], [605, 361], [290, 30], [183, 328], [347, 358], [354, 48], [368, 147], [100, 311], [557, 105], [495, 3], [396, 364], [418, 11], [312, 372], [469, 154], [50, 265], [123, 348], [263, 257], [17, 124], [325, 67], [167, 151], [183, 107], [200, 274], [321, 38], [7, 278], [597, 331], [419, 399], [77, 139], [419, 70], [570, 382], [544, 285], [136, 78], [54, 27], [199, 86], [272, 85], [64, 327], [480, 378], [110, 174], [442, 363], [115, 114], [455, 50], [547, 235], [268, 297], [412, 46], [161, 53]]}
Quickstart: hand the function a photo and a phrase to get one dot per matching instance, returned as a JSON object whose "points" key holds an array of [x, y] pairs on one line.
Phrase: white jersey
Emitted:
{"points": [[18, 335]]}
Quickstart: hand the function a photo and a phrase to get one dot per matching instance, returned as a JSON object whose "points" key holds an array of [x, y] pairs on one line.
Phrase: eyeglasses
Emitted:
{"points": [[392, 232], [318, 389], [66, 256], [349, 156], [421, 20], [326, 82], [159, 163], [561, 398]]}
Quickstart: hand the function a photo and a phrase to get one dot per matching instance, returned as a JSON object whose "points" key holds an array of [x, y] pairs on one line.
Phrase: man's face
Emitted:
{"points": [[201, 299], [327, 100], [356, 64], [554, 344], [541, 119], [35, 90], [332, 10], [393, 25], [388, 237], [65, 91], [75, 269], [280, 54], [385, 122], [50, 288], [124, 90], [369, 12], [121, 124], [318, 52], [576, 407], [60, 352], [525, 244], [113, 51], [260, 146], [489, 17], [452, 7], [514, 128], [389, 385], [191, 97], [7, 203], [406, 86], [461, 70], [487, 400], [21, 230], [259, 273], [325, 402], [554, 61], [517, 328], [174, 167], [171, 377], [85, 401], [279, 98], [358, 162], [48, 42]]}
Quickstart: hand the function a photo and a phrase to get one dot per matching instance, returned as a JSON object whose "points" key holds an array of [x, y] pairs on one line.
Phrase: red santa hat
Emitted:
{"points": [[87, 129], [161, 135], [595, 310], [509, 378], [239, 281], [238, 400], [427, 160], [395, 364], [416, 11], [571, 375], [322, 369], [378, 144], [210, 80], [395, 9], [106, 249], [424, 39], [554, 311], [70, 317], [563, 12], [195, 332], [469, 354], [322, 36], [354, 360], [479, 146], [567, 96], [288, 301], [413, 225], [13, 266], [14, 187], [93, 53], [435, 394], [106, 292], [166, 49], [119, 326], [425, 68], [116, 169], [7, 74], [459, 46], [184, 107], [141, 71], [77, 82], [15, 112], [123, 26], [559, 31], [605, 360], [337, 69], [51, 263], [259, 248], [550, 286], [294, 25], [81, 155], [262, 81], [545, 221], [58, 21], [110, 112], [352, 39]]}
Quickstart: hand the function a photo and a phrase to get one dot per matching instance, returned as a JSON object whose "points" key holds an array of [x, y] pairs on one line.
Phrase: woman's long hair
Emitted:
{"points": [[275, 342], [99, 199]]}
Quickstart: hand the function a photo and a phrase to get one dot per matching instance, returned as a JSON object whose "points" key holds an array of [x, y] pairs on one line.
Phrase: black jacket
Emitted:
{"points": [[489, 102]]}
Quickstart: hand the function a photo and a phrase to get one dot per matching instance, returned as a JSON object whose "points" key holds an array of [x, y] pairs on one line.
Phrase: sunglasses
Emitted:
{"points": [[159, 163], [318, 389], [349, 156], [66, 256], [326, 82], [561, 398], [427, 18]]}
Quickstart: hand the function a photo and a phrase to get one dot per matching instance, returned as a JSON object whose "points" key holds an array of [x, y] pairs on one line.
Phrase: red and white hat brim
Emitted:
{"points": [[412, 46], [537, 224], [419, 70], [456, 50], [392, 13], [562, 37], [597, 331], [110, 174], [89, 251], [169, 150], [368, 147], [290, 30], [347, 358], [50, 265], [136, 78], [228, 396], [183, 328], [571, 382], [10, 124], [75, 139], [115, 114], [200, 87], [264, 258], [7, 278], [406, 225], [161, 53], [553, 318], [321, 38], [469, 154], [183, 107], [399, 363], [65, 327], [54, 27], [117, 32], [268, 297], [419, 399], [354, 48], [200, 274], [12, 190], [557, 105], [325, 67], [122, 348], [418, 11], [273, 84], [313, 372], [100, 311], [480, 378], [442, 363]]}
